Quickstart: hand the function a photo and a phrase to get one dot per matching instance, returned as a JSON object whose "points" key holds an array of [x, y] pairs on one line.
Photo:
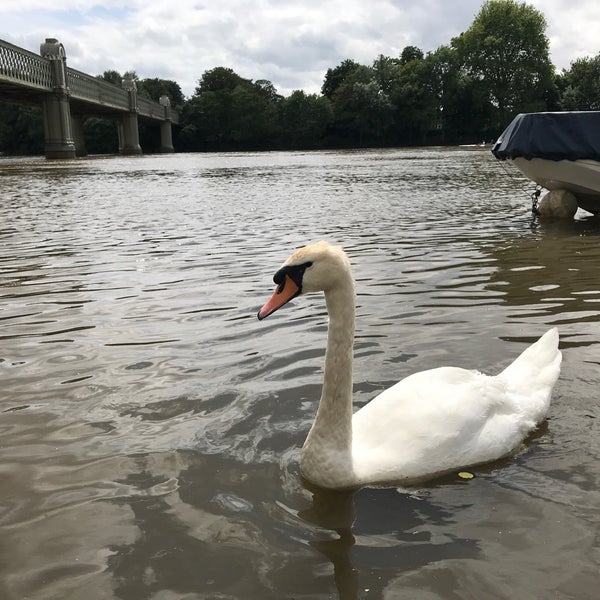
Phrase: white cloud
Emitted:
{"points": [[572, 29], [290, 42]]}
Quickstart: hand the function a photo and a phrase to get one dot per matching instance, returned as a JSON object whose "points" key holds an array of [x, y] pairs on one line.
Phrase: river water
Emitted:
{"points": [[150, 426]]}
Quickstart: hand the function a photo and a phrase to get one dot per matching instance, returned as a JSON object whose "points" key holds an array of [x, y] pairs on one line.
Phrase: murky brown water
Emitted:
{"points": [[150, 426]]}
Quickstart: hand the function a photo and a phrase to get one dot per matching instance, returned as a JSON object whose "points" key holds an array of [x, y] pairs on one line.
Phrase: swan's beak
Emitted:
{"points": [[282, 295]]}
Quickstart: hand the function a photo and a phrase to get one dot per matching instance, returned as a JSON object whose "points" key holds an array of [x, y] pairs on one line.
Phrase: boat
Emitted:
{"points": [[557, 151]]}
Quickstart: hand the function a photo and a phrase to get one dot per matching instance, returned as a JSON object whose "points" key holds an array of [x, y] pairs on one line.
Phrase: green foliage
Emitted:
{"points": [[253, 117], [386, 72], [101, 136], [219, 79], [410, 53], [506, 49], [416, 105], [336, 76], [463, 109], [361, 109], [580, 85], [304, 120], [267, 90], [230, 112], [111, 76], [463, 92], [21, 129], [154, 88]]}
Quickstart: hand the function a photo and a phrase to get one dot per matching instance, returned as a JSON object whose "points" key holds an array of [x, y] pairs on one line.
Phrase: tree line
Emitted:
{"points": [[466, 91]]}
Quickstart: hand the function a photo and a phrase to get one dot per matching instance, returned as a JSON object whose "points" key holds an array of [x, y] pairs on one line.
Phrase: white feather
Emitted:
{"points": [[430, 423]]}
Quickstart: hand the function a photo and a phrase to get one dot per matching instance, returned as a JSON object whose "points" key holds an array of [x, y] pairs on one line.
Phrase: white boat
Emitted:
{"points": [[558, 151]]}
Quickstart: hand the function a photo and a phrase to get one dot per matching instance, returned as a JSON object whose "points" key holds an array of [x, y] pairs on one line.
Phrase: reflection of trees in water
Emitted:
{"points": [[555, 272], [225, 530]]}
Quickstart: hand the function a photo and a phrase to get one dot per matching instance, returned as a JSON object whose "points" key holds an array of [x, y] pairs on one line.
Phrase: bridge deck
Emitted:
{"points": [[26, 78]]}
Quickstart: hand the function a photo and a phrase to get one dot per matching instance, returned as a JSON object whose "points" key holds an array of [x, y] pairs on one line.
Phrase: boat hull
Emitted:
{"points": [[557, 150], [580, 177]]}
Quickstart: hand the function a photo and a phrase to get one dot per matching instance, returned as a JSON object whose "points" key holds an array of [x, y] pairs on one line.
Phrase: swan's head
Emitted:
{"points": [[315, 268]]}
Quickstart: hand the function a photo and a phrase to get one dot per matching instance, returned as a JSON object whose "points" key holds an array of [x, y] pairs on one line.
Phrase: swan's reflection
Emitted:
{"points": [[379, 529], [334, 510]]}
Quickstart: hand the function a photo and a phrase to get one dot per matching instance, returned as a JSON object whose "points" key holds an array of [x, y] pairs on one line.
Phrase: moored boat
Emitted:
{"points": [[558, 151]]}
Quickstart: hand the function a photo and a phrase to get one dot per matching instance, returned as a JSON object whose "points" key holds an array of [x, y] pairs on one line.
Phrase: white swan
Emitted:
{"points": [[430, 423]]}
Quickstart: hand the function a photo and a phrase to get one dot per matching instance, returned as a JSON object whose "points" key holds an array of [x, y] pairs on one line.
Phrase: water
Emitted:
{"points": [[150, 426]]}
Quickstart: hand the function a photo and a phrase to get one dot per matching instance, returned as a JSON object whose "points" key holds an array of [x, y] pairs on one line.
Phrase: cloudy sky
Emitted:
{"points": [[289, 42]]}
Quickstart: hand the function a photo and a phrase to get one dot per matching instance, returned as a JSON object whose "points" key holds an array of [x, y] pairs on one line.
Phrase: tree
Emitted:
{"points": [[362, 111], [204, 121], [461, 106], [21, 129], [230, 112], [506, 49], [206, 116], [266, 89], [415, 101], [580, 85], [156, 87], [304, 120], [111, 76], [386, 72], [410, 53], [336, 76], [101, 136], [253, 117], [219, 79]]}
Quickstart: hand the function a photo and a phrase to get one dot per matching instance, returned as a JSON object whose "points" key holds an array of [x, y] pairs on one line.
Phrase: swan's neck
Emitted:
{"points": [[331, 433], [335, 407]]}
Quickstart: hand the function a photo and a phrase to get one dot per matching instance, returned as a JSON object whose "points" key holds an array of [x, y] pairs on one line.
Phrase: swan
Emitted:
{"points": [[428, 424]]}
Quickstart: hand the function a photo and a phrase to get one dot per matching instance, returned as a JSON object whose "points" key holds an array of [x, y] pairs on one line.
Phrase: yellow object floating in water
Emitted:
{"points": [[466, 475]]}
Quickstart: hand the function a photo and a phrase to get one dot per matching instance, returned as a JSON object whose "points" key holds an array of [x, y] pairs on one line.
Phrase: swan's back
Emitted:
{"points": [[429, 423], [532, 376], [438, 420]]}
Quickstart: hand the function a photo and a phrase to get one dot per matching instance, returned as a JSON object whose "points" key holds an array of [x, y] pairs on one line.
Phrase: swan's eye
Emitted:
{"points": [[279, 280], [294, 272]]}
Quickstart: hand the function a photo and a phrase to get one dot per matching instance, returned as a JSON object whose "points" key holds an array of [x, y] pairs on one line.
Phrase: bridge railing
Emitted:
{"points": [[91, 89], [22, 66], [85, 87], [149, 108]]}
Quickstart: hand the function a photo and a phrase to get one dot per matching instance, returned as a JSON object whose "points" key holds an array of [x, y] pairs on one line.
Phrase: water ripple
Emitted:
{"points": [[151, 424]]}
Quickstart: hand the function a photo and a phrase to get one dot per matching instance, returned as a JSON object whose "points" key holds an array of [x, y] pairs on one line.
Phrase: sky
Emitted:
{"points": [[291, 43]]}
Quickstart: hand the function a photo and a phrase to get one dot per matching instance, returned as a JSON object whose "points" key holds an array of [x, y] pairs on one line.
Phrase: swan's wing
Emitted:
{"points": [[434, 421]]}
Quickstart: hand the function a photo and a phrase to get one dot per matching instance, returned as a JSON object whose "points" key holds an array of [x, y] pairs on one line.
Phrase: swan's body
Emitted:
{"points": [[431, 422]]}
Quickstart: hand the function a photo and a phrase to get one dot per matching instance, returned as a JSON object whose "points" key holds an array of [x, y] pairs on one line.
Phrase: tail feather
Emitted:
{"points": [[532, 375]]}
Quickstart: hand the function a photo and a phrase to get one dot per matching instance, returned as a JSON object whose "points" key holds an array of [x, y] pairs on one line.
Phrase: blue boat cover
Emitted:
{"points": [[552, 136]]}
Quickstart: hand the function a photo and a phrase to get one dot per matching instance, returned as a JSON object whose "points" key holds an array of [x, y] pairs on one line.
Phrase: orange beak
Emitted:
{"points": [[282, 295]]}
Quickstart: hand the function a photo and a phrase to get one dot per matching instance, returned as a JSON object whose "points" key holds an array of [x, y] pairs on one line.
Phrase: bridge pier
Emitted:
{"points": [[166, 130], [57, 115], [45, 79], [129, 134], [78, 135]]}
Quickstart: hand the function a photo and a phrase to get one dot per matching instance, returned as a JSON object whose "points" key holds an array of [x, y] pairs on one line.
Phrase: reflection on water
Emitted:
{"points": [[150, 426]]}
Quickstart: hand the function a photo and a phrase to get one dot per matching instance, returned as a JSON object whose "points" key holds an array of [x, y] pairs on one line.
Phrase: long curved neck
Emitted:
{"points": [[333, 423]]}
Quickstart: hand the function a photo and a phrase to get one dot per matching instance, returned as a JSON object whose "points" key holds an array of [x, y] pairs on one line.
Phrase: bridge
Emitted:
{"points": [[67, 96]]}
